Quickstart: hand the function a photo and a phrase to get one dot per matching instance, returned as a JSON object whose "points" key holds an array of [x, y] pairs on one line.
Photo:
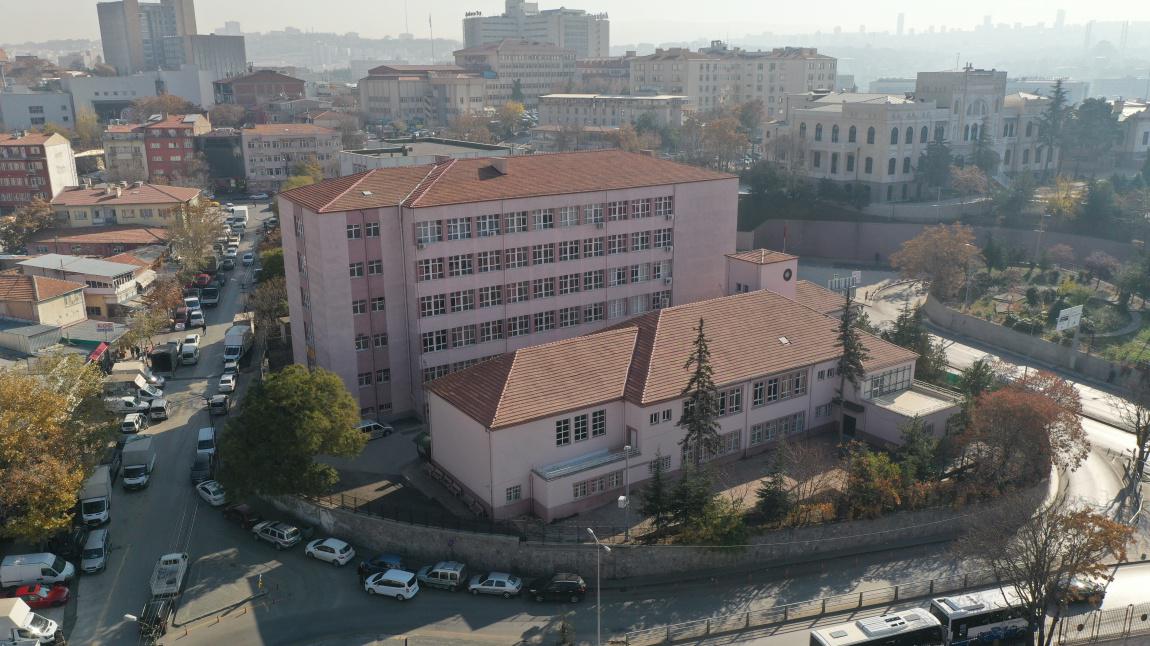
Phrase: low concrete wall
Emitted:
{"points": [[487, 551], [926, 211], [861, 241], [1060, 356]]}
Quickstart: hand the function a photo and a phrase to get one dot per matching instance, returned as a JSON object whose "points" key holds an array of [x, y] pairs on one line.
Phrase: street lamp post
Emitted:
{"points": [[598, 596], [625, 499]]}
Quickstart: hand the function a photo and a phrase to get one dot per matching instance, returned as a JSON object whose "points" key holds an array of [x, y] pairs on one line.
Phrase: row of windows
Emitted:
{"points": [[888, 382], [778, 427], [435, 372], [541, 254], [658, 417], [547, 287], [779, 387], [580, 427], [379, 377], [374, 268], [360, 306], [608, 482], [355, 231], [852, 134], [485, 226], [728, 443], [364, 342]]}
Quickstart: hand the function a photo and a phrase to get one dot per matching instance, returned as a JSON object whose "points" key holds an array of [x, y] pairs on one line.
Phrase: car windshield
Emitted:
{"points": [[93, 553], [59, 564], [291, 532], [38, 622], [410, 580], [345, 549], [135, 471], [94, 506]]}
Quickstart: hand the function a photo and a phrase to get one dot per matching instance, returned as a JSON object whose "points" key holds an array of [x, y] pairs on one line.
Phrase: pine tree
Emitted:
{"points": [[854, 353], [774, 501], [655, 501], [1051, 123], [984, 155], [701, 408]]}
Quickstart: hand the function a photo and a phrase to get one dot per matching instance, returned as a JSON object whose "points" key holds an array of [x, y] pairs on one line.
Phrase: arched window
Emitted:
{"points": [[906, 165], [850, 162], [870, 135], [924, 135], [974, 132], [818, 132], [939, 133], [894, 136], [910, 135], [803, 130], [1006, 157], [868, 167], [835, 134], [891, 166], [1026, 156], [852, 135], [965, 132]]}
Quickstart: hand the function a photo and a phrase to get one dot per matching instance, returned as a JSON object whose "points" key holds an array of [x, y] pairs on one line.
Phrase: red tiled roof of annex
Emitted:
{"points": [[145, 194], [642, 360], [19, 287], [461, 181], [105, 235]]}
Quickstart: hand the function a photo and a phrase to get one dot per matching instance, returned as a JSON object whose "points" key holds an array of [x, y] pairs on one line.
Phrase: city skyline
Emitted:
{"points": [[630, 22]]}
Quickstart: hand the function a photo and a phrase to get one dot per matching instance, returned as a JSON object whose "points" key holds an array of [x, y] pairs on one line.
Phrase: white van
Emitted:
{"points": [[25, 569], [134, 422], [206, 441], [159, 410], [190, 355]]}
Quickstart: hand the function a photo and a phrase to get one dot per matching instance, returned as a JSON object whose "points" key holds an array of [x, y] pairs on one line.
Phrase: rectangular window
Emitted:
{"points": [[778, 427], [428, 232], [374, 267], [616, 276], [581, 427], [487, 226], [543, 219], [569, 250], [513, 493], [517, 257], [663, 238], [362, 342], [667, 415], [543, 254], [490, 296], [434, 341], [355, 269], [518, 326], [568, 216], [592, 247], [489, 260], [616, 211], [543, 288], [665, 206], [490, 331], [569, 316], [383, 376], [379, 340], [592, 312], [459, 228], [562, 432], [429, 269], [359, 307], [663, 461], [544, 321], [598, 423], [616, 308], [641, 241], [518, 292], [462, 301], [364, 379], [592, 213], [378, 304], [516, 222], [372, 229], [731, 401], [641, 208], [569, 283], [459, 265], [616, 244], [653, 419], [353, 232], [640, 272], [463, 336], [887, 382]]}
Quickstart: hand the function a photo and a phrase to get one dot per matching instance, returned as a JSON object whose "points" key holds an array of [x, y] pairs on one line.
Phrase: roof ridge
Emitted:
{"points": [[654, 337], [503, 387], [355, 183], [437, 171], [35, 288]]}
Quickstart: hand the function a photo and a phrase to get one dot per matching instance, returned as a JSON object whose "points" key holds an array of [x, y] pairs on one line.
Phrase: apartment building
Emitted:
{"points": [[718, 75], [170, 141], [125, 153], [420, 94], [563, 426], [109, 287], [530, 67], [610, 75], [869, 142], [257, 89], [1019, 149], [135, 34], [110, 97], [33, 165], [273, 150], [609, 110], [22, 109], [398, 276], [587, 34], [137, 205]]}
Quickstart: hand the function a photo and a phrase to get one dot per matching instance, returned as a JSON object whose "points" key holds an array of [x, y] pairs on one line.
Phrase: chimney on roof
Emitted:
{"points": [[442, 159], [137, 184], [499, 164], [109, 189], [119, 191]]}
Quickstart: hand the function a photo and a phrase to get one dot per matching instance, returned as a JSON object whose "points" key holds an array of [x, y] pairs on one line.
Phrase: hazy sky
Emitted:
{"points": [[631, 20]]}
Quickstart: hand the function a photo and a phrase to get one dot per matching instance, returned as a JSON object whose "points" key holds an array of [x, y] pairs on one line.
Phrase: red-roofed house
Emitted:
{"points": [[33, 166], [96, 241], [38, 299], [401, 275], [273, 150], [136, 204], [171, 146], [557, 424]]}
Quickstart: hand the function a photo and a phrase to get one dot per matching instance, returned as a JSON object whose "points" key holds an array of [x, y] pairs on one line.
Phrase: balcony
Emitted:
{"points": [[584, 463]]}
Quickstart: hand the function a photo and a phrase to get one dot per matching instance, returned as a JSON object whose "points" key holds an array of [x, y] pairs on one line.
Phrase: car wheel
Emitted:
{"points": [[371, 591], [539, 598], [400, 597], [575, 598], [474, 592], [336, 563], [506, 595]]}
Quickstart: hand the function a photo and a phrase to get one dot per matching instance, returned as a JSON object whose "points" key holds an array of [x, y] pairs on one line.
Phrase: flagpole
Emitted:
{"points": [[432, 31]]}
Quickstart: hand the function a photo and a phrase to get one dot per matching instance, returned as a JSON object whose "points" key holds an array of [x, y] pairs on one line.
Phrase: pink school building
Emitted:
{"points": [[398, 276]]}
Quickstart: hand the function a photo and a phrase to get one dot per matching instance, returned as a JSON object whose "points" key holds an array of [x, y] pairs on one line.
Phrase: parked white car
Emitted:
{"points": [[500, 583], [398, 584], [212, 492], [192, 339], [227, 382], [332, 550]]}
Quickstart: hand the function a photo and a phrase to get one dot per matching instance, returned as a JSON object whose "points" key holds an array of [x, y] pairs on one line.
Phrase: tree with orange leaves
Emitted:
{"points": [[940, 255]]}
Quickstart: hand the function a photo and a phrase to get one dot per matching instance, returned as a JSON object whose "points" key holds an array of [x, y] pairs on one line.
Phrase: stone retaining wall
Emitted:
{"points": [[487, 551]]}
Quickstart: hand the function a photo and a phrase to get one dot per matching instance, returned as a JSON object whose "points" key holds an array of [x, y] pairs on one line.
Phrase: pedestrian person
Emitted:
{"points": [[204, 327]]}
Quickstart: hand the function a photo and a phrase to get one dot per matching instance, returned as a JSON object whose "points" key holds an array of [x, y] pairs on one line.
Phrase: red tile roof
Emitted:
{"points": [[642, 359], [28, 139], [288, 129], [174, 121], [762, 256], [461, 181], [34, 288], [128, 259], [126, 128], [104, 235], [818, 298], [146, 194]]}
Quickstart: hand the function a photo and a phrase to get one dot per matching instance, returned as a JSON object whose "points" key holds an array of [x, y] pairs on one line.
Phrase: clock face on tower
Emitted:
{"points": [[787, 273]]}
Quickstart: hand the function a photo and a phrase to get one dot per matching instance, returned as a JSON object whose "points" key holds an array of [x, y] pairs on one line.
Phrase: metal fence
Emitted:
{"points": [[1102, 625], [426, 517], [766, 617]]}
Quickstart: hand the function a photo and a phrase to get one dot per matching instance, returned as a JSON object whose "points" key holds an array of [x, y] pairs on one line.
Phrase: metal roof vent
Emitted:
{"points": [[784, 340], [367, 193]]}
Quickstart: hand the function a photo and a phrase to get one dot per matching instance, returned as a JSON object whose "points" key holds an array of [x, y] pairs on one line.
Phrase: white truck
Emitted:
{"points": [[240, 215], [126, 384], [168, 575], [237, 340], [127, 404], [19, 626], [139, 459], [138, 368], [96, 497]]}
